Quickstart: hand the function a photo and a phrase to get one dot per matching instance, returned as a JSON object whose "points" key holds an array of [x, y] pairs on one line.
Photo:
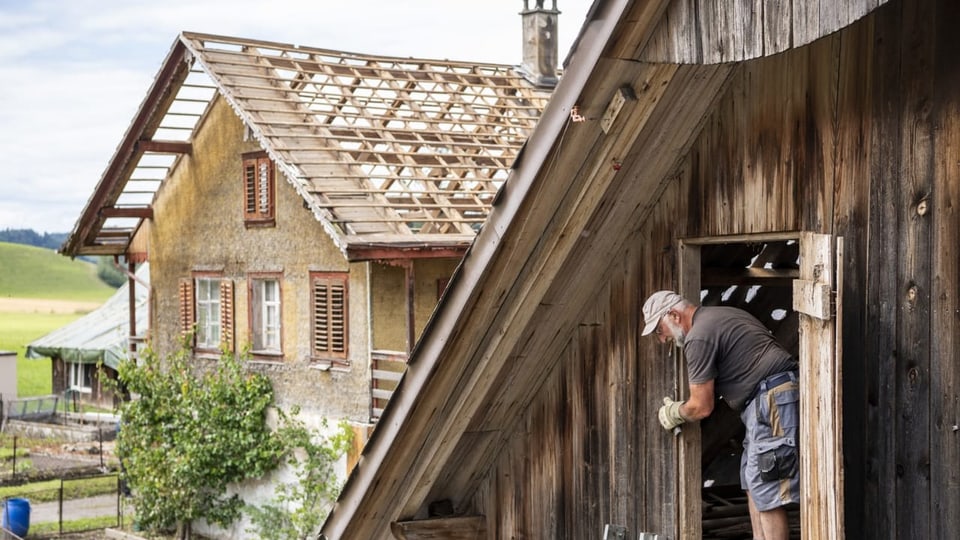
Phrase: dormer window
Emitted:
{"points": [[259, 205]]}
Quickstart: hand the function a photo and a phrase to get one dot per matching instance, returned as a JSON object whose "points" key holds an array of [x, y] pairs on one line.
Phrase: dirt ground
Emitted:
{"points": [[34, 305]]}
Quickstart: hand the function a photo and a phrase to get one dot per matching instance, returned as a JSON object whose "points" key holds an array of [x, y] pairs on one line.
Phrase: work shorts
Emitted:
{"points": [[770, 465]]}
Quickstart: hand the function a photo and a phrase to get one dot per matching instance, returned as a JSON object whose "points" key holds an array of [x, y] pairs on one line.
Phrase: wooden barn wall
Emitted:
{"points": [[592, 452], [858, 135]]}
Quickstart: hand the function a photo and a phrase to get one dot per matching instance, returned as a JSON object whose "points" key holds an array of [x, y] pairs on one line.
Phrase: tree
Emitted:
{"points": [[188, 435], [299, 508], [109, 273]]}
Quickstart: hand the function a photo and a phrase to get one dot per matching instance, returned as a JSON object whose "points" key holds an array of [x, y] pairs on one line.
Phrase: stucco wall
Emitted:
{"points": [[427, 275], [389, 300], [199, 226]]}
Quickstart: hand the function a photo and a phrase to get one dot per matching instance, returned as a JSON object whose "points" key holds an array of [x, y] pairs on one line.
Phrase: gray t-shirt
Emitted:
{"points": [[734, 349]]}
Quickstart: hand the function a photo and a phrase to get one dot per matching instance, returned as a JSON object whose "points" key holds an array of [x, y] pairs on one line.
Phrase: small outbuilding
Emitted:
{"points": [[87, 352]]}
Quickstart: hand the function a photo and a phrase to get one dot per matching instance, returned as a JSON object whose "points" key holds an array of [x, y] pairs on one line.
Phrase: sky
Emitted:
{"points": [[74, 72]]}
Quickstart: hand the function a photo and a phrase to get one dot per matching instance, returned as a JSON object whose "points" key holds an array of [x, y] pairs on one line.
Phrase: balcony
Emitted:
{"points": [[387, 369]]}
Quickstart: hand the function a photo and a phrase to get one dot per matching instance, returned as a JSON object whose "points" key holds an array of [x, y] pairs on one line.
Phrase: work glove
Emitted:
{"points": [[669, 414]]}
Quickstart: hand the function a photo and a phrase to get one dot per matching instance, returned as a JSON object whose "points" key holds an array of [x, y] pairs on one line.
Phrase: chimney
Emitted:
{"points": [[540, 57]]}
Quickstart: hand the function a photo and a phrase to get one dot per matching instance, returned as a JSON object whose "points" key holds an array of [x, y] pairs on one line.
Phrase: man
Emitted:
{"points": [[732, 356]]}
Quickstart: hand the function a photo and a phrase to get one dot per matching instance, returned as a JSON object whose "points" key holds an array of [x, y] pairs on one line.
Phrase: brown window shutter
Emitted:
{"points": [[250, 189], [330, 316], [338, 321], [264, 188], [226, 315], [186, 306], [259, 205]]}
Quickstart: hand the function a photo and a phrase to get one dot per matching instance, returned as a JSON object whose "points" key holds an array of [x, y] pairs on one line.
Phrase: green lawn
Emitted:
{"points": [[19, 329], [49, 490], [31, 272]]}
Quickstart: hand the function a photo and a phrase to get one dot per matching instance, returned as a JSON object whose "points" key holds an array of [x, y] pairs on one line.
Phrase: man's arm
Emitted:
{"points": [[700, 403]]}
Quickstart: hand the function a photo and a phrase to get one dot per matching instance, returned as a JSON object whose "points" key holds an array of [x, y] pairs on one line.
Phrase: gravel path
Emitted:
{"points": [[101, 505]]}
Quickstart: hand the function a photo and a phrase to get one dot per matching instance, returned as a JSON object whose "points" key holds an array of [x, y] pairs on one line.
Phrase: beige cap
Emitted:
{"points": [[656, 306]]}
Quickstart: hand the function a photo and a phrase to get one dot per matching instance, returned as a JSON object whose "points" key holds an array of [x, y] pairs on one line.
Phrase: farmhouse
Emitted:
{"points": [[800, 160], [307, 206]]}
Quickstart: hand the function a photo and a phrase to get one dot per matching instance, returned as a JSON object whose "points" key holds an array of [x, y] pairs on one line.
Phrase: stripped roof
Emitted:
{"points": [[385, 151]]}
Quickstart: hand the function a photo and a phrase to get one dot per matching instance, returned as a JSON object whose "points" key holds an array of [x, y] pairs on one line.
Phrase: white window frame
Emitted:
{"points": [[266, 310], [78, 377], [209, 314]]}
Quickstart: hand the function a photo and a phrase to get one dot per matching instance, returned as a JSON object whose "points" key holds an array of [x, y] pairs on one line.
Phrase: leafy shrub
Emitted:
{"points": [[299, 509], [188, 435]]}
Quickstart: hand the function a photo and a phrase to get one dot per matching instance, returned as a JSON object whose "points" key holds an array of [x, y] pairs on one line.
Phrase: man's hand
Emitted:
{"points": [[669, 414]]}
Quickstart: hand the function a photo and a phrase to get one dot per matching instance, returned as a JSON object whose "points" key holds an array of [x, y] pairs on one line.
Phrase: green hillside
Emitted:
{"points": [[30, 272]]}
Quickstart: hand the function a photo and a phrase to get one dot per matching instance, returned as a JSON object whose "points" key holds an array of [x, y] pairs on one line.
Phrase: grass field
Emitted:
{"points": [[40, 291], [31, 272], [19, 329]]}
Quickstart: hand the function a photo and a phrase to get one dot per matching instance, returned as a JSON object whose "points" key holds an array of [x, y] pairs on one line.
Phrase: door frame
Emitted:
{"points": [[817, 299]]}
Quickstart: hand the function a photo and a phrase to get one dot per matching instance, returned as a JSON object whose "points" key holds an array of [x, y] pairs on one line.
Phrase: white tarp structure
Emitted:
{"points": [[101, 335]]}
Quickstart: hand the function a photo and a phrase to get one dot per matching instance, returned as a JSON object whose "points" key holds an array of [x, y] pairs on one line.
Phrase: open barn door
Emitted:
{"points": [[756, 273], [817, 298]]}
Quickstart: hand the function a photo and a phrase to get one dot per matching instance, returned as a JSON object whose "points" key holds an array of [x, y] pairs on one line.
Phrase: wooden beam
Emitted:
{"points": [[115, 233], [165, 147], [452, 528], [749, 276], [388, 253], [172, 74], [142, 212]]}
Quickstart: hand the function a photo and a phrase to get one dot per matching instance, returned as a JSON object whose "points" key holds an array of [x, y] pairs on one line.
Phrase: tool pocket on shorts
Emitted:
{"points": [[786, 402], [777, 461]]}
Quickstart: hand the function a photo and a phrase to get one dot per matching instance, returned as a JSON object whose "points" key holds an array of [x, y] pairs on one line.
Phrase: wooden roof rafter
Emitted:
{"points": [[378, 147]]}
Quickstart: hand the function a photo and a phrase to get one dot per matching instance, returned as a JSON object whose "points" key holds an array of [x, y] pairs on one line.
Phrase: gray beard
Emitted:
{"points": [[676, 332]]}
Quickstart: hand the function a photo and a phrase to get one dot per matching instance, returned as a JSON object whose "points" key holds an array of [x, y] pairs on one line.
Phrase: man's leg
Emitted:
{"points": [[769, 525], [775, 524], [755, 519]]}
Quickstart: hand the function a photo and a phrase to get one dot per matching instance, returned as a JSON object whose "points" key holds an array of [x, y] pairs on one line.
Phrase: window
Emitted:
{"points": [[206, 309], [258, 190], [81, 377], [208, 313], [265, 315], [330, 316]]}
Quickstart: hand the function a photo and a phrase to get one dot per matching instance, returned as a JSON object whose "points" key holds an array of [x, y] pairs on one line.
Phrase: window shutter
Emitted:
{"points": [[250, 189], [258, 190], [264, 191], [330, 316], [226, 315], [338, 322], [186, 306]]}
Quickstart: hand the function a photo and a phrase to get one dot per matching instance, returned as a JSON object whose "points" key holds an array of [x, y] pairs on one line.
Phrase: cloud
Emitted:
{"points": [[76, 71]]}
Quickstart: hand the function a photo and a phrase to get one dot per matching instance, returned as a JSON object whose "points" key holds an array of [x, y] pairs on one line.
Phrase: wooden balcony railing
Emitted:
{"points": [[387, 369]]}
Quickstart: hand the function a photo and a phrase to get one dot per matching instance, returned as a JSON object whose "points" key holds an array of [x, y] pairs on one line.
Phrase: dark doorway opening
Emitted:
{"points": [[757, 276]]}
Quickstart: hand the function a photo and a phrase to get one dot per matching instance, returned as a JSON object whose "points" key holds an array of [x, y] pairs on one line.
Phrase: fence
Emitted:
{"points": [[21, 461], [36, 408], [72, 505]]}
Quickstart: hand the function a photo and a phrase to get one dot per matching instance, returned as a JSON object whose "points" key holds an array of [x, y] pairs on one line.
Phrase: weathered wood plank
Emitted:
{"points": [[850, 181], [883, 141], [689, 448], [821, 476], [736, 30], [913, 422], [449, 528], [945, 285], [777, 17], [641, 20]]}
